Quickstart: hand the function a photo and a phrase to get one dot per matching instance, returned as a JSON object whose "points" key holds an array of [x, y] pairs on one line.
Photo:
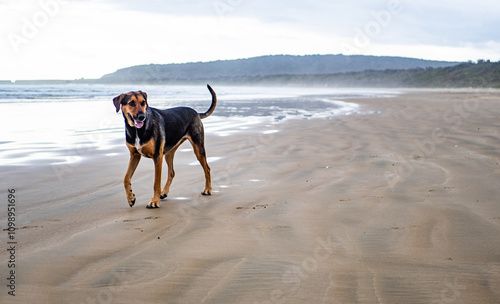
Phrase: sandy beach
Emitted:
{"points": [[400, 206]]}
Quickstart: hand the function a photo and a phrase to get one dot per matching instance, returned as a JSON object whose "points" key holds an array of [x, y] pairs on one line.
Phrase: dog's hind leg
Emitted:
{"points": [[199, 150], [127, 181]]}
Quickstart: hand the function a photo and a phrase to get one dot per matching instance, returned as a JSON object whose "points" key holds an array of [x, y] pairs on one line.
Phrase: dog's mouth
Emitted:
{"points": [[138, 124], [139, 121]]}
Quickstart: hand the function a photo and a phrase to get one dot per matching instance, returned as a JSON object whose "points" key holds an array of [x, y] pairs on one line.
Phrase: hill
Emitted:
{"points": [[230, 70], [475, 75]]}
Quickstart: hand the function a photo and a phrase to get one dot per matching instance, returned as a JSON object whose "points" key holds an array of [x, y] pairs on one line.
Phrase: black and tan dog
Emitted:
{"points": [[156, 133]]}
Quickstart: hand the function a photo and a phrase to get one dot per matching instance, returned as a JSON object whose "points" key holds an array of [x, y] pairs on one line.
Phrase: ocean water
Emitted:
{"points": [[43, 124]]}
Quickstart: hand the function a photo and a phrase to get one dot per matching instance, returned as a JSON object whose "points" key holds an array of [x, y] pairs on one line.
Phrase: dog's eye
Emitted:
{"points": [[143, 103], [132, 104]]}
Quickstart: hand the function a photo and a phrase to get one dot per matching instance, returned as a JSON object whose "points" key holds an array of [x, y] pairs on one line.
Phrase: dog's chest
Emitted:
{"points": [[138, 145], [145, 149]]}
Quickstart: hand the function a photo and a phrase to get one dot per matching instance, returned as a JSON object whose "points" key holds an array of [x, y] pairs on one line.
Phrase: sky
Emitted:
{"points": [[73, 39]]}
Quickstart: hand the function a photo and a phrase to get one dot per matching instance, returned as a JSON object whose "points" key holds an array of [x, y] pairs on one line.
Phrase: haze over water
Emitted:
{"points": [[48, 122]]}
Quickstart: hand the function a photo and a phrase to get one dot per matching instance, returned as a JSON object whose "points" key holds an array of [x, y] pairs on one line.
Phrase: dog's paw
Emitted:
{"points": [[131, 201], [206, 192], [153, 205], [163, 196]]}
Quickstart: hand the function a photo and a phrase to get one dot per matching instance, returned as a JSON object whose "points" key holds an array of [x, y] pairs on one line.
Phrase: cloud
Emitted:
{"points": [[448, 23], [89, 39], [427, 21], [92, 38]]}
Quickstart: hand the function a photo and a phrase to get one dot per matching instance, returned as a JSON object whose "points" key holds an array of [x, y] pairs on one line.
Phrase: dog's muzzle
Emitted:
{"points": [[139, 121]]}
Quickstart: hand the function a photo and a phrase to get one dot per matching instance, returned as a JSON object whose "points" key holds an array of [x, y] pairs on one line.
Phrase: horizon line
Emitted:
{"points": [[13, 81]]}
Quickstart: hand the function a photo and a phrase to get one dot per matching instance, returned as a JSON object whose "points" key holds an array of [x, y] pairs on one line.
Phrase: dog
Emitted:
{"points": [[155, 133]]}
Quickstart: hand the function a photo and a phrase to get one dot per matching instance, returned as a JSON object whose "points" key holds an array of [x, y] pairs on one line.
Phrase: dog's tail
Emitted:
{"points": [[212, 106]]}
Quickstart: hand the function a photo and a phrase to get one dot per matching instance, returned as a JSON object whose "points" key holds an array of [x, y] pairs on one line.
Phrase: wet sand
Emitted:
{"points": [[396, 207]]}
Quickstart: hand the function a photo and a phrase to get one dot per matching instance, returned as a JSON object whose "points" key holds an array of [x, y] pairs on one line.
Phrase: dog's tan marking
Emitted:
{"points": [[135, 104], [206, 168], [169, 159], [135, 157], [155, 201], [147, 149]]}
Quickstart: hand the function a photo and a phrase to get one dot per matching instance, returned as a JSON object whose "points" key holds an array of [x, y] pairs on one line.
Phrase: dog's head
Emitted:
{"points": [[133, 105]]}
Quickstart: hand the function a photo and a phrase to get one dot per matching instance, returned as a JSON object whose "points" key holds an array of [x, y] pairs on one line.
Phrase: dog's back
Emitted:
{"points": [[177, 123]]}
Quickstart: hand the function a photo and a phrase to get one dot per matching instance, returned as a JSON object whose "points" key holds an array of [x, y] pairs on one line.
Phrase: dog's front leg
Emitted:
{"points": [[127, 181], [169, 159], [155, 202]]}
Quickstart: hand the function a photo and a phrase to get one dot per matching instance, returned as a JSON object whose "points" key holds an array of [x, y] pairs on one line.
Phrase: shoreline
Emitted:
{"points": [[63, 140], [398, 206]]}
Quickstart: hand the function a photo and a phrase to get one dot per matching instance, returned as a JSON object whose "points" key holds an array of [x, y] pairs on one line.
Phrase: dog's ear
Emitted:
{"points": [[144, 95], [117, 101]]}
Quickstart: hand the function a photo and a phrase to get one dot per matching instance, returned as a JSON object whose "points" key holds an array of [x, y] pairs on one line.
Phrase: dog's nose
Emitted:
{"points": [[141, 117]]}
